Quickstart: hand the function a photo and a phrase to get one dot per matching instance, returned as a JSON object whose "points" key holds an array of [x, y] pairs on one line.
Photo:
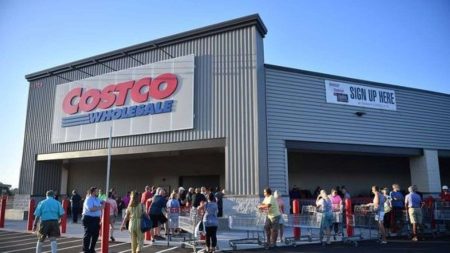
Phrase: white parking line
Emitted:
{"points": [[21, 244], [46, 245], [119, 244], [167, 250], [31, 239], [71, 247], [129, 250], [14, 236]]}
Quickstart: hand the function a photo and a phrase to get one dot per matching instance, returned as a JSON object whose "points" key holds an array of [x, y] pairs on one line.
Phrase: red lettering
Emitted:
{"points": [[161, 87], [169, 89], [123, 88], [68, 104], [107, 97], [90, 100], [136, 93]]}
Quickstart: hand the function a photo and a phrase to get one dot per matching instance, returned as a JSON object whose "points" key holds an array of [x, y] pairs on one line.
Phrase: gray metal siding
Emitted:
{"points": [[297, 110], [225, 79]]}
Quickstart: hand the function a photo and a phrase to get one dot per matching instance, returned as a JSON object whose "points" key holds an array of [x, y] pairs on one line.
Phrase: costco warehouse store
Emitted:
{"points": [[202, 108]]}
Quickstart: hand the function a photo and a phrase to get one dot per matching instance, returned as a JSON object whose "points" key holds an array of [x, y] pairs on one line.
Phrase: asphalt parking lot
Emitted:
{"points": [[11, 242]]}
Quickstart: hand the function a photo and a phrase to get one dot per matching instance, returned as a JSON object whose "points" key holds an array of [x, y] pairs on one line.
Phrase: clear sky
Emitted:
{"points": [[403, 42]]}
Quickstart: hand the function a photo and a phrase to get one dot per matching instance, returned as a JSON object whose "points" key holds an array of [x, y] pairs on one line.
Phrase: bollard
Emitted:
{"points": [[3, 211], [105, 228], [65, 204], [148, 235], [349, 217], [31, 207], [296, 210]]}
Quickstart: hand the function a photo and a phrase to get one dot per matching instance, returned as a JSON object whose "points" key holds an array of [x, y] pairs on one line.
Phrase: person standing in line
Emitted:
{"points": [[398, 204], [49, 212], [413, 203], [101, 195], [387, 221], [75, 205], [210, 222], [198, 198], [189, 197], [133, 215], [378, 208], [92, 210], [182, 196], [156, 214], [173, 213], [273, 217], [219, 198], [113, 212], [336, 202], [280, 203], [147, 194], [445, 194], [325, 207]]}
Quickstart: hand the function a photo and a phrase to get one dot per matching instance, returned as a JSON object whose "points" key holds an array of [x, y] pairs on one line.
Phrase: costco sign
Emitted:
{"points": [[152, 98]]}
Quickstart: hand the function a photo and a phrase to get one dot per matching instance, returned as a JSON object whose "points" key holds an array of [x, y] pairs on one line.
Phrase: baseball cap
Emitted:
{"points": [[444, 187]]}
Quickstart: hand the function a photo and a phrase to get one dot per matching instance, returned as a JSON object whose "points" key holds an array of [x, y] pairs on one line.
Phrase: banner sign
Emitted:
{"points": [[152, 98], [357, 95]]}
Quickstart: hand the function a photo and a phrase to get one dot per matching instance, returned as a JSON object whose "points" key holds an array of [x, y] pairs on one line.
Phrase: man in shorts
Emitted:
{"points": [[413, 203], [49, 212], [273, 217]]}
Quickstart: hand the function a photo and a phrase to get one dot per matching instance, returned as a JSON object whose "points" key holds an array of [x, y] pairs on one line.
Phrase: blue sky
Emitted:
{"points": [[404, 42]]}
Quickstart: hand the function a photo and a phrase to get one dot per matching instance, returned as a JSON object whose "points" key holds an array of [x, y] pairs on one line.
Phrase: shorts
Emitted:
{"points": [[157, 219], [415, 215], [272, 223], [112, 219], [48, 228], [379, 216]]}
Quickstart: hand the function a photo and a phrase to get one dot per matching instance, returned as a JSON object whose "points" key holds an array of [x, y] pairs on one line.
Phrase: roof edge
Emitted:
{"points": [[245, 21], [350, 79]]}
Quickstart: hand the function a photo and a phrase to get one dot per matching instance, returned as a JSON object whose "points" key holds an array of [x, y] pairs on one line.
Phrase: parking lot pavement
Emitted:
{"points": [[428, 245], [12, 242]]}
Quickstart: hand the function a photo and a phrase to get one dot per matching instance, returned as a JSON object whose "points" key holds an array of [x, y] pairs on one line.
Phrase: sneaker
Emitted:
{"points": [[112, 239], [383, 242], [414, 239]]}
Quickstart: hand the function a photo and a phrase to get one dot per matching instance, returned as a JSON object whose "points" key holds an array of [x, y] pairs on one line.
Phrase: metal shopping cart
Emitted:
{"points": [[442, 216], [188, 224], [364, 224], [253, 224], [307, 221]]}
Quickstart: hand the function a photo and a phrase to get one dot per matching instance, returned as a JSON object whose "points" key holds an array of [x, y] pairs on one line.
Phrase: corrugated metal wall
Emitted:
{"points": [[297, 110], [225, 98]]}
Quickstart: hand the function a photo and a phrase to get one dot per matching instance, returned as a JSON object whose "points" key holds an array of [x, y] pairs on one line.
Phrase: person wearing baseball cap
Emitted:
{"points": [[445, 194]]}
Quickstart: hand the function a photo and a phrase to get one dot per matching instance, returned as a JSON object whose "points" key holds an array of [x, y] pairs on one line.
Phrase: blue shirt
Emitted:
{"points": [[210, 217], [89, 203], [413, 200], [49, 209], [158, 203], [397, 199]]}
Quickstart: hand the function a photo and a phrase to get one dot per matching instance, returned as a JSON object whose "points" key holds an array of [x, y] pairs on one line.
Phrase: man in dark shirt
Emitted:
{"points": [[75, 204], [198, 198]]}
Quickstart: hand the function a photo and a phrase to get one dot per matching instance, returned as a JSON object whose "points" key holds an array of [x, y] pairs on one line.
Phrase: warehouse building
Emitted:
{"points": [[202, 108]]}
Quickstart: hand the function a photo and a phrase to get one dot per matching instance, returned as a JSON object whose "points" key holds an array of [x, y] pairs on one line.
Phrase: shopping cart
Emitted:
{"points": [[442, 216], [188, 224], [253, 224], [307, 221], [364, 225]]}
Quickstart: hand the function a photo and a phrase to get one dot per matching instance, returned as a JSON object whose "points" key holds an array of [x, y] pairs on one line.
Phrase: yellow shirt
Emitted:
{"points": [[274, 210]]}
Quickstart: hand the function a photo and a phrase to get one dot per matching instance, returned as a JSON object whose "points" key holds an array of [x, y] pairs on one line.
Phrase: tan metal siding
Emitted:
{"points": [[224, 105]]}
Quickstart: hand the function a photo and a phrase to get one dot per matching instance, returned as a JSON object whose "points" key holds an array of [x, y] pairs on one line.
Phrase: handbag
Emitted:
{"points": [[146, 223]]}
